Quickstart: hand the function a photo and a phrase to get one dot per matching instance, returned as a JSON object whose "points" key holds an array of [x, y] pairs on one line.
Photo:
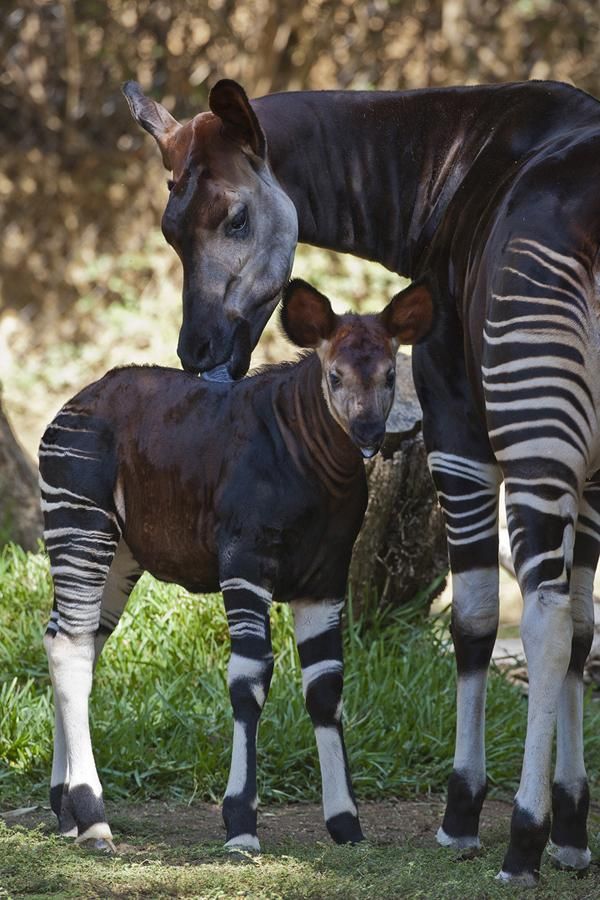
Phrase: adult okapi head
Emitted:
{"points": [[233, 227], [357, 353]]}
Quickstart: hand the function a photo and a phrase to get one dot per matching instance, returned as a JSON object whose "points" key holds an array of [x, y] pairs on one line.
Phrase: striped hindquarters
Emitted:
{"points": [[539, 385], [81, 532]]}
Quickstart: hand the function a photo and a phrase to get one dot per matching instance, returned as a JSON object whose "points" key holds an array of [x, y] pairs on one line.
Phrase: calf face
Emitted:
{"points": [[357, 353], [228, 219]]}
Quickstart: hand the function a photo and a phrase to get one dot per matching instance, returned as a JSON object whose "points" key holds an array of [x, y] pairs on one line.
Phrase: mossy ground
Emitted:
{"points": [[165, 862]]}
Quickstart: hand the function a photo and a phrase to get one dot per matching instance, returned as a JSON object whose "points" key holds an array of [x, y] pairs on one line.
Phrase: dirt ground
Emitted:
{"points": [[384, 822]]}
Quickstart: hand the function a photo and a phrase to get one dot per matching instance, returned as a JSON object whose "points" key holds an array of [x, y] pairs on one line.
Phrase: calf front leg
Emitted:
{"points": [[249, 677], [319, 639]]}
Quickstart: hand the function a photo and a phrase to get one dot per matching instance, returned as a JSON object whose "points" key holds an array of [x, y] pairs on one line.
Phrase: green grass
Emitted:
{"points": [[35, 865], [161, 717]]}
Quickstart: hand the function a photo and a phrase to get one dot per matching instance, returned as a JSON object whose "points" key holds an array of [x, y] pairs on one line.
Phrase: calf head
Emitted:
{"points": [[357, 353], [232, 225]]}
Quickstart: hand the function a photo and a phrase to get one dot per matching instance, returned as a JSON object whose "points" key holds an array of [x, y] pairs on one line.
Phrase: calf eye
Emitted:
{"points": [[170, 184], [334, 380], [239, 222], [390, 378]]}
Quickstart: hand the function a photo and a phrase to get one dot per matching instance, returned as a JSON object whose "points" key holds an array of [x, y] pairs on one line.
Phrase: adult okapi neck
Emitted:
{"points": [[376, 173], [314, 440]]}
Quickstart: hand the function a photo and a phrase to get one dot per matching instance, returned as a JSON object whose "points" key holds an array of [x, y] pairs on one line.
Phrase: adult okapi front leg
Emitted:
{"points": [[467, 482], [250, 669], [318, 635]]}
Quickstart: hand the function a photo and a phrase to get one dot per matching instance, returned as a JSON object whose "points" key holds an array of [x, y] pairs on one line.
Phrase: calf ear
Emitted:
{"points": [[306, 315], [228, 100], [408, 317], [152, 116]]}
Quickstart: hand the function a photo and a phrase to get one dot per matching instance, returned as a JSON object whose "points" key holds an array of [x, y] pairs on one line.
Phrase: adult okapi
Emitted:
{"points": [[488, 194]]}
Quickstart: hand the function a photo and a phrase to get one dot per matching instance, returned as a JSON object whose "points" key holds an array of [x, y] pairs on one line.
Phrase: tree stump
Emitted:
{"points": [[401, 552], [20, 513]]}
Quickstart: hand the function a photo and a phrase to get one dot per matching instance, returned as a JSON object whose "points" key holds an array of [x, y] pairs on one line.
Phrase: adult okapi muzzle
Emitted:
{"points": [[233, 227]]}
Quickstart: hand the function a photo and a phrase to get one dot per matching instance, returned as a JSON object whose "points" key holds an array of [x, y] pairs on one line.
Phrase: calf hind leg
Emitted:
{"points": [[319, 639]]}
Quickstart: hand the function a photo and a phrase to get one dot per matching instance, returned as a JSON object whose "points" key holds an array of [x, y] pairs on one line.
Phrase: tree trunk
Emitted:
{"points": [[401, 552], [20, 514]]}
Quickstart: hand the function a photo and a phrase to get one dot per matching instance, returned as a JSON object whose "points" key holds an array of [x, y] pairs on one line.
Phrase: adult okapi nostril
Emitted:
{"points": [[193, 356]]}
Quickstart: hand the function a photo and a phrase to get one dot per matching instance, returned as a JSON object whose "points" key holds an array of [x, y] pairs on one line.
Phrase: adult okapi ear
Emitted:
{"points": [[228, 100], [153, 117], [408, 317], [306, 315]]}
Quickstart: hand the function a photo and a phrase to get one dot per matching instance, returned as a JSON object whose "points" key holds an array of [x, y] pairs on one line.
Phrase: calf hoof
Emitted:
{"points": [[247, 843], [522, 880], [467, 844], [345, 828], [573, 859]]}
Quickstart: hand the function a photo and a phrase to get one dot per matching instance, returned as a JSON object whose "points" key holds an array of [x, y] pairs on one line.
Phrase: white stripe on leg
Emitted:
{"points": [[336, 797]]}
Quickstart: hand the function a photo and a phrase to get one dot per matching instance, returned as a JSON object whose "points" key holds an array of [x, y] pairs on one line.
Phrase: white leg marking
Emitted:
{"points": [[570, 857], [71, 661], [547, 628], [239, 761], [245, 667], [336, 798], [240, 584], [312, 618], [244, 842], [323, 667]]}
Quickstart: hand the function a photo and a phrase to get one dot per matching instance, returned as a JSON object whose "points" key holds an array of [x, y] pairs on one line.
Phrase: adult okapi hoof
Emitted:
{"points": [[97, 837], [345, 829], [98, 845], [467, 845], [522, 880], [244, 843], [571, 859]]}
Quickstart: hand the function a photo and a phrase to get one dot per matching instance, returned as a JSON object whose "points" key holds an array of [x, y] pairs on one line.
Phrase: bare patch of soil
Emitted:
{"points": [[385, 822]]}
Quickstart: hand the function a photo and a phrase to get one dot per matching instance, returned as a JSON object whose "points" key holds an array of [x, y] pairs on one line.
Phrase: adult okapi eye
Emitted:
{"points": [[170, 184], [238, 223], [390, 378], [334, 380]]}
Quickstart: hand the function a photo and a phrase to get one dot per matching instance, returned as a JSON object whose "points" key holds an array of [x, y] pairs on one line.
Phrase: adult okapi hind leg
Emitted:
{"points": [[568, 846], [81, 535], [317, 625]]}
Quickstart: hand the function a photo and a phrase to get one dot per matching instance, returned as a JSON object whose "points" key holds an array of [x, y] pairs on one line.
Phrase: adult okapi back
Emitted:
{"points": [[490, 193]]}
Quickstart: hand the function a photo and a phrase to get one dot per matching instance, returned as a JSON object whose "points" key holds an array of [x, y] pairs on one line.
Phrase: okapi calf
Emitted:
{"points": [[257, 488]]}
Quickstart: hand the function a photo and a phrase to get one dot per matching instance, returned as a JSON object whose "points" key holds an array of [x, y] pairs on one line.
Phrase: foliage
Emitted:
{"points": [[161, 717], [78, 178]]}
